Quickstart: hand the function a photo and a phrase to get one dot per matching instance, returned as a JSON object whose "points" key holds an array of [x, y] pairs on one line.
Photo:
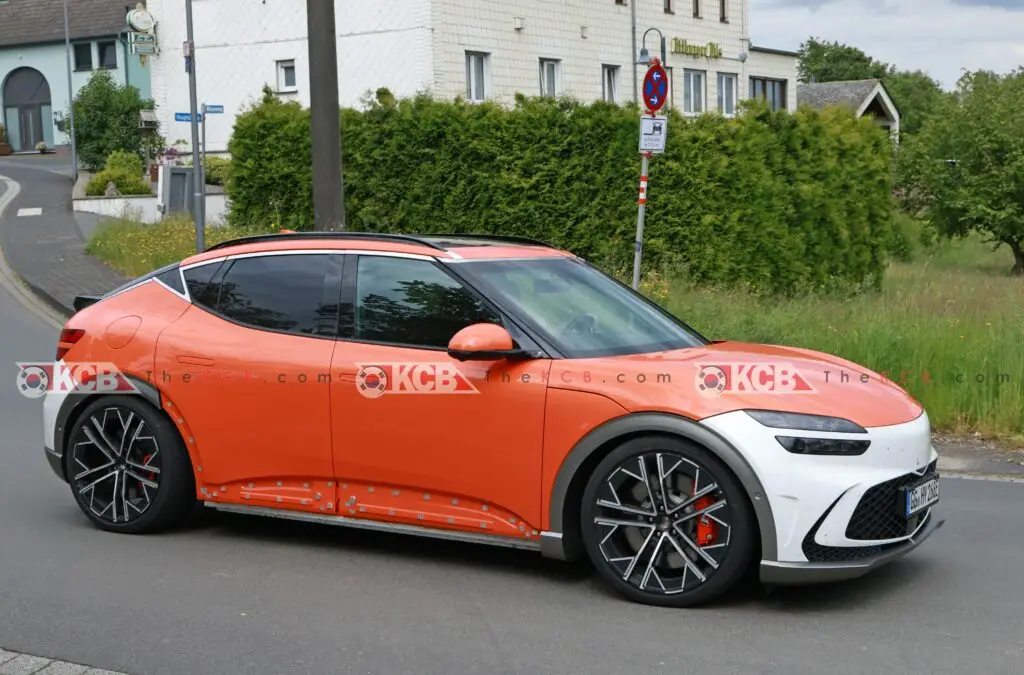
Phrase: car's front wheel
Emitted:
{"points": [[666, 523], [127, 466]]}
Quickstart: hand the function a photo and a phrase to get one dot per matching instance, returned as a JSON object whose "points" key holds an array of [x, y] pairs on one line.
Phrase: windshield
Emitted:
{"points": [[580, 310]]}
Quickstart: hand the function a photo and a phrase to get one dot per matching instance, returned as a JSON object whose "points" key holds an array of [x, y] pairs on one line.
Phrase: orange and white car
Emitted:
{"points": [[487, 389]]}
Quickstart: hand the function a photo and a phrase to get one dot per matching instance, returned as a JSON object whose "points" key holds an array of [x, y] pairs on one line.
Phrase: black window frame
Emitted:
{"points": [[100, 45], [346, 328], [75, 47], [330, 293], [764, 83]]}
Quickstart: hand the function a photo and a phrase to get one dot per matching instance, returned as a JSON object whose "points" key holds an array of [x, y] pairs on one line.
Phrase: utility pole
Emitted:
{"points": [[328, 184], [199, 203], [71, 96], [632, 58]]}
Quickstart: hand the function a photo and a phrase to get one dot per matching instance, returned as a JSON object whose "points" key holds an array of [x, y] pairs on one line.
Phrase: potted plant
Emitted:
{"points": [[5, 147], [41, 147]]}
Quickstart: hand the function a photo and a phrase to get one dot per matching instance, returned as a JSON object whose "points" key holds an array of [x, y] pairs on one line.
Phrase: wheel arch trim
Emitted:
{"points": [[553, 542]]}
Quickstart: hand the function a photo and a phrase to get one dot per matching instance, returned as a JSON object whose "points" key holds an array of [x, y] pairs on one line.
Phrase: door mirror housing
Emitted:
{"points": [[484, 342]]}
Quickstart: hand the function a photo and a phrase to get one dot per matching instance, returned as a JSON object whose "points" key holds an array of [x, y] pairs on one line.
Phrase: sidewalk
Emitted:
{"points": [[47, 251], [13, 663]]}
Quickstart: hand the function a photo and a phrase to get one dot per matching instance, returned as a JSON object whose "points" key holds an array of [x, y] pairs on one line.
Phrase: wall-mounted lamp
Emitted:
{"points": [[645, 56]]}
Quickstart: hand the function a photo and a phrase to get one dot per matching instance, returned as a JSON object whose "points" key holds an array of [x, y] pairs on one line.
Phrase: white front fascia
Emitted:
{"points": [[800, 488]]}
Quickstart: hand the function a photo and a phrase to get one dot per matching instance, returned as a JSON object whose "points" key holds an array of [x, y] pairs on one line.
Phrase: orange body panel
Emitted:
{"points": [[251, 399], [484, 446]]}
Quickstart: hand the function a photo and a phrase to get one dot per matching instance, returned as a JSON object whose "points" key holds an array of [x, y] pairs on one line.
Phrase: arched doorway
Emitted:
{"points": [[28, 111]]}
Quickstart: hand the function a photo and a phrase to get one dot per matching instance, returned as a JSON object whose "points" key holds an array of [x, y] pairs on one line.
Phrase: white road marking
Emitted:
{"points": [[30, 212]]}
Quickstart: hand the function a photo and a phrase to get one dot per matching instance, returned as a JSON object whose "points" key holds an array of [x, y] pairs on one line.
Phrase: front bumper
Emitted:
{"points": [[790, 573], [835, 517]]}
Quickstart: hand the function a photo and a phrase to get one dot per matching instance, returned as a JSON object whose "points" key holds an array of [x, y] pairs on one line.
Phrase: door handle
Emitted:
{"points": [[195, 360]]}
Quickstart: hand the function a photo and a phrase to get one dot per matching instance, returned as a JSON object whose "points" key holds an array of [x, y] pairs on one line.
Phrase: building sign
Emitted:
{"points": [[711, 50]]}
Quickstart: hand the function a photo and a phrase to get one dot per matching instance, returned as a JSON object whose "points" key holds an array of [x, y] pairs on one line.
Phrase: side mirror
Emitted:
{"points": [[484, 342]]}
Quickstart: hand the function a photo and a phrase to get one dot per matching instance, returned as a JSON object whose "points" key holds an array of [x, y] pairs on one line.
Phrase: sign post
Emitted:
{"points": [[653, 131]]}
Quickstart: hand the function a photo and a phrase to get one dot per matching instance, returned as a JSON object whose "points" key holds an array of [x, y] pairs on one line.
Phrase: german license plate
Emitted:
{"points": [[919, 497]]}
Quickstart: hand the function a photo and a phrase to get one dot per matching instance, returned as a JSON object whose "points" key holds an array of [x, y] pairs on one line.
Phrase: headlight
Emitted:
{"points": [[823, 446], [785, 420]]}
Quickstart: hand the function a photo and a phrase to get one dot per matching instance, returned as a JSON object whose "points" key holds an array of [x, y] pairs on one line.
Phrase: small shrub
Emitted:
{"points": [[3, 134], [218, 170], [124, 162], [127, 183]]}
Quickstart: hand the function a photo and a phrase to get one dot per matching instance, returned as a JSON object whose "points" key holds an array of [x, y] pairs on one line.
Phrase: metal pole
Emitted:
{"points": [[71, 95], [632, 58], [638, 253], [198, 205], [328, 183], [202, 165]]}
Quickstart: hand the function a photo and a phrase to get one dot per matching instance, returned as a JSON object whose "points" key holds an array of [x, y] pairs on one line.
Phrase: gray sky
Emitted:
{"points": [[940, 37]]}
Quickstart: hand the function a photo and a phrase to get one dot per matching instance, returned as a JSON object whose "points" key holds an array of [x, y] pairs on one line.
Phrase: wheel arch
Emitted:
{"points": [[562, 539], [73, 406]]}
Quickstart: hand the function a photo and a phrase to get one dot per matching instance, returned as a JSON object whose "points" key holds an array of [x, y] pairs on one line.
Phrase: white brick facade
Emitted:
{"points": [[421, 45]]}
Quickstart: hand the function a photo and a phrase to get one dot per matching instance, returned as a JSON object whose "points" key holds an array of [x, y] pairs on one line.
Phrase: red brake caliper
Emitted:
{"points": [[145, 461], [707, 529]]}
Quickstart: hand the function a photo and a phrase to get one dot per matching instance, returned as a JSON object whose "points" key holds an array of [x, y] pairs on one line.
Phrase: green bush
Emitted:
{"points": [[770, 201], [124, 162], [107, 119], [217, 170], [127, 183]]}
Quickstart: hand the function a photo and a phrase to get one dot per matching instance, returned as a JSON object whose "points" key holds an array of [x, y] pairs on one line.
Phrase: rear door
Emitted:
{"points": [[247, 367]]}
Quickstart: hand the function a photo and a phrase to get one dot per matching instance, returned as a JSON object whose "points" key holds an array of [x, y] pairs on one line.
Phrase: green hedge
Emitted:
{"points": [[773, 201]]}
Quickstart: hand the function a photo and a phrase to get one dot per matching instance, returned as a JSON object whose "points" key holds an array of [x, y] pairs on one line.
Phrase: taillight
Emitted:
{"points": [[68, 338]]}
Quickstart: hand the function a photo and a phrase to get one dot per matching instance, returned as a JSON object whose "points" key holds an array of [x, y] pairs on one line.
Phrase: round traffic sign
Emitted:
{"points": [[655, 87]]}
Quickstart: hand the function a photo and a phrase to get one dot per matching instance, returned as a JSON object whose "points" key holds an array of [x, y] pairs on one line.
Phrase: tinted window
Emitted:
{"points": [[198, 281], [279, 292], [172, 278], [412, 302]]}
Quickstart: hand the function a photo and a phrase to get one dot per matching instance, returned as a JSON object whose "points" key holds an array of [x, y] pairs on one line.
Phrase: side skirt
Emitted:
{"points": [[400, 528]]}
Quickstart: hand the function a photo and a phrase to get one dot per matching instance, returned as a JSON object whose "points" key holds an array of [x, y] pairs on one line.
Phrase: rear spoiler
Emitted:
{"points": [[83, 301]]}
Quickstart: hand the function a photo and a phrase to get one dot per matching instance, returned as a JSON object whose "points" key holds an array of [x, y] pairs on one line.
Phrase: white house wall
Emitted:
{"points": [[778, 67], [381, 43]]}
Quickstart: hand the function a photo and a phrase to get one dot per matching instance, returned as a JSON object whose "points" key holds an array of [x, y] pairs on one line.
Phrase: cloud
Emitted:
{"points": [[940, 37]]}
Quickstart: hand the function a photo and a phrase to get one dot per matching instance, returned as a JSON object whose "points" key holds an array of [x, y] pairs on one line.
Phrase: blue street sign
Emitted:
{"points": [[214, 110], [187, 117]]}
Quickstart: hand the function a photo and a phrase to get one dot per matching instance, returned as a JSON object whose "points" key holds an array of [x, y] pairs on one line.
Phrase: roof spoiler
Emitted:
{"points": [[83, 301]]}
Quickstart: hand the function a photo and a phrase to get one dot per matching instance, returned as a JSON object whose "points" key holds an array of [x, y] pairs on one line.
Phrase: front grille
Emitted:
{"points": [[877, 515]]}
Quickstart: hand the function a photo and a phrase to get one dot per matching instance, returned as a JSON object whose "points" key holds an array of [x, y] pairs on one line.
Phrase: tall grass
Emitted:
{"points": [[949, 327]]}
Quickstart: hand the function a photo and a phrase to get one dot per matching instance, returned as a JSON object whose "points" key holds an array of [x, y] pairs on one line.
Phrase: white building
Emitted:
{"points": [[471, 48]]}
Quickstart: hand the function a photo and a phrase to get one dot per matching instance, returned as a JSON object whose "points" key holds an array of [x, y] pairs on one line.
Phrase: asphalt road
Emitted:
{"points": [[240, 595]]}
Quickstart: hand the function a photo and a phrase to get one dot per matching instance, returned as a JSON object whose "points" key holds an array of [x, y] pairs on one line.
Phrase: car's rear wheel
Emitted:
{"points": [[127, 466], [666, 523]]}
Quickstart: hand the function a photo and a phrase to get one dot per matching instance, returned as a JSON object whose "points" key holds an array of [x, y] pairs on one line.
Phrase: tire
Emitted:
{"points": [[123, 447], [641, 554]]}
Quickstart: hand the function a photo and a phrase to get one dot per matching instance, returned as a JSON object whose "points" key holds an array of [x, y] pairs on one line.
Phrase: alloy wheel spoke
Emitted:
{"points": [[144, 481], [687, 562], [142, 467], [697, 496], [99, 442], [89, 472], [696, 549], [96, 482], [109, 444], [636, 558], [625, 508], [653, 559], [697, 514]]}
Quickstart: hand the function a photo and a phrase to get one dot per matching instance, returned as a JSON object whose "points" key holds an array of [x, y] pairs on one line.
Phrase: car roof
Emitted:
{"points": [[442, 246]]}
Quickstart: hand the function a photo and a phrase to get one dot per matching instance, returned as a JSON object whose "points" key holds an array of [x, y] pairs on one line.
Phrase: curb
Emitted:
{"points": [[44, 297]]}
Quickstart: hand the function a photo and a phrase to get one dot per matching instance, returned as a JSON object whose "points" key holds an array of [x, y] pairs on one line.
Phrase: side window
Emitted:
{"points": [[200, 289], [172, 278], [412, 302], [278, 292]]}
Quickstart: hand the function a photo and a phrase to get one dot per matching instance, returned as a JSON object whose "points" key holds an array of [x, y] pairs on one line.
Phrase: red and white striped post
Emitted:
{"points": [[639, 245]]}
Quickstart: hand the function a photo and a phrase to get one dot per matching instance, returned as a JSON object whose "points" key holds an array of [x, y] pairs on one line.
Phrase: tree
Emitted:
{"points": [[834, 62], [916, 94], [965, 168], [107, 119]]}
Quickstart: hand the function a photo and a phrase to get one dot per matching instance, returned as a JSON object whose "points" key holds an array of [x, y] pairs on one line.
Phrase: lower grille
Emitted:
{"points": [[877, 517]]}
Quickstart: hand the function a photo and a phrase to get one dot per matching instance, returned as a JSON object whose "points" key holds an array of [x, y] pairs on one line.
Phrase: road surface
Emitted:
{"points": [[238, 595]]}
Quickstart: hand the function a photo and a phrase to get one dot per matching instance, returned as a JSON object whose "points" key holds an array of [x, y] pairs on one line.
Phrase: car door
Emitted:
{"points": [[247, 369], [420, 437]]}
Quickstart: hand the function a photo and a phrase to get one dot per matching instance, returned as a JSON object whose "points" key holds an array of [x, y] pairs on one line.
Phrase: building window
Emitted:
{"points": [[727, 94], [107, 53], [549, 77], [694, 88], [668, 7], [773, 91], [610, 83], [83, 56], [286, 80], [723, 13], [696, 9], [476, 76]]}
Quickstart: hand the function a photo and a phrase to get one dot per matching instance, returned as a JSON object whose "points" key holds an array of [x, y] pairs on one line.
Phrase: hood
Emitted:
{"points": [[728, 376]]}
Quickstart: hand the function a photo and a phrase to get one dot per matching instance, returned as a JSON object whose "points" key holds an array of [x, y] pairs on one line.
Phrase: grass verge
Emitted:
{"points": [[947, 326]]}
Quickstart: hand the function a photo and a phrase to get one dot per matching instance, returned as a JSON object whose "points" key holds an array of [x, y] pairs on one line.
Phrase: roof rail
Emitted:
{"points": [[512, 239], [371, 236]]}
